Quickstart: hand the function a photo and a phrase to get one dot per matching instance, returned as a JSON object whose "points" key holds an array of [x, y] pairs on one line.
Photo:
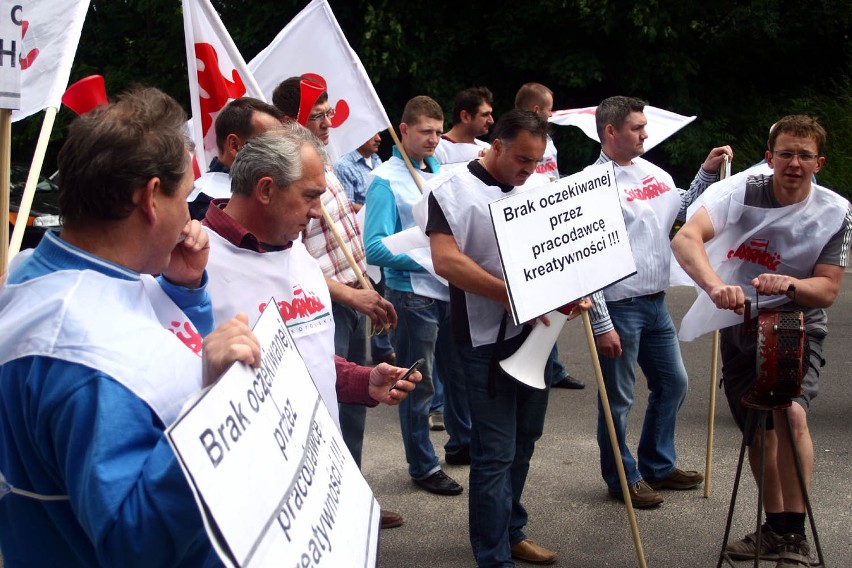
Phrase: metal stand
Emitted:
{"points": [[759, 415]]}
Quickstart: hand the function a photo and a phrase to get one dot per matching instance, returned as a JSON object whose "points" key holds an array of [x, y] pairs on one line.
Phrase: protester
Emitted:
{"points": [[537, 98], [96, 359], [507, 417], [352, 170], [237, 122], [471, 117], [421, 300], [777, 209], [277, 181], [634, 325]]}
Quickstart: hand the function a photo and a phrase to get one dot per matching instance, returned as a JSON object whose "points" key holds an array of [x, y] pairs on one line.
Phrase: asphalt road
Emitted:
{"points": [[567, 502]]}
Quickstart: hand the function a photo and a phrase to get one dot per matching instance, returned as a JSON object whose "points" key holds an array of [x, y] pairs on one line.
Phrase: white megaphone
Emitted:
{"points": [[527, 365]]}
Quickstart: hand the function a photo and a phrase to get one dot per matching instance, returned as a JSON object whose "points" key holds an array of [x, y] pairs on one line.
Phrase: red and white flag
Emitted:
{"points": [[51, 33], [217, 74], [313, 43], [661, 123]]}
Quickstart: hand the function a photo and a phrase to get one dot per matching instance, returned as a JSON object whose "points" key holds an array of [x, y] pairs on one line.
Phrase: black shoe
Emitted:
{"points": [[440, 483], [569, 382], [459, 457]]}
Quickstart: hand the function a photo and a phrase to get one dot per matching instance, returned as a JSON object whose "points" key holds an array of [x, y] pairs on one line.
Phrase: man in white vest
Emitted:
{"points": [[783, 237], [471, 117], [633, 325], [421, 301], [352, 306], [539, 99], [240, 120], [97, 356], [507, 417]]}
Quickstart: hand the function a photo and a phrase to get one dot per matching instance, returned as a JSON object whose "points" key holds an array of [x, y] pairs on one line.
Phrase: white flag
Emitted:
{"points": [[313, 43], [10, 68], [217, 74], [51, 33], [661, 123]]}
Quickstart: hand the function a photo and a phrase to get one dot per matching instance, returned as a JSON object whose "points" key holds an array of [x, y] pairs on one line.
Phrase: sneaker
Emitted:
{"points": [[642, 496], [770, 544], [679, 480], [440, 483], [436, 421], [568, 382], [794, 551]]}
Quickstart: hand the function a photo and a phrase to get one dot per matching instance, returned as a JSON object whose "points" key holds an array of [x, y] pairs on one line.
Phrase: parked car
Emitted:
{"points": [[44, 213]]}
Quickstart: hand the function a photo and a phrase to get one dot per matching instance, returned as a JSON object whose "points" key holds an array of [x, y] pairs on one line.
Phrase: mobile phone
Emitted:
{"points": [[410, 370]]}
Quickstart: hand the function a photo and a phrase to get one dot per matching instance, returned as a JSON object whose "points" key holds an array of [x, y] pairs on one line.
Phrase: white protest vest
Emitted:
{"points": [[751, 241], [407, 195], [108, 324], [215, 184], [650, 202], [241, 280], [464, 200], [548, 165], [449, 152]]}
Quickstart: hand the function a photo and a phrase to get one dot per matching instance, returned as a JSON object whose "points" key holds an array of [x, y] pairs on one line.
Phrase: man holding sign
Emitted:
{"points": [[634, 325], [507, 418], [97, 357]]}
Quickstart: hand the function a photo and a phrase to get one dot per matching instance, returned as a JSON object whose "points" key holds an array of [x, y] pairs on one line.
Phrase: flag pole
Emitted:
{"points": [[610, 426], [714, 372], [405, 158], [365, 284], [32, 180], [5, 173]]}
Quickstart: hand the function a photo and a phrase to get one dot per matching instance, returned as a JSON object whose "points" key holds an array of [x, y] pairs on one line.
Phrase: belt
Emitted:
{"points": [[654, 296]]}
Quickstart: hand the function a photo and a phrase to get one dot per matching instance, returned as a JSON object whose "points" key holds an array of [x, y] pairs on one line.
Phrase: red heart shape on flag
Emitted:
{"points": [[341, 113]]}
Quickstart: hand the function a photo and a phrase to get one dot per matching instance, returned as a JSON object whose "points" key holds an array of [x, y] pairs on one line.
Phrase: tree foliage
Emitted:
{"points": [[737, 65]]}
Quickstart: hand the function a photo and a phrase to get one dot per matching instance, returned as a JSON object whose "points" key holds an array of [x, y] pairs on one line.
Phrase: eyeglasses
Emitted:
{"points": [[320, 116], [804, 158]]}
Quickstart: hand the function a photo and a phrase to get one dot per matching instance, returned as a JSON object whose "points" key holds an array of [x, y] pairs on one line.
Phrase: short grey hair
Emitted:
{"points": [[276, 154]]}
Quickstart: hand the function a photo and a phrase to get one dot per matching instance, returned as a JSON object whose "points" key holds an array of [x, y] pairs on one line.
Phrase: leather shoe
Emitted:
{"points": [[679, 480], [642, 496], [459, 457], [569, 382], [436, 421], [528, 551], [391, 520], [440, 483]]}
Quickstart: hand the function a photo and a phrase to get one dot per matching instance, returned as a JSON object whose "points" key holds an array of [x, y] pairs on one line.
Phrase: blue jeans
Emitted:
{"points": [[424, 331], [505, 429], [554, 369], [350, 342], [438, 398], [381, 344], [648, 337]]}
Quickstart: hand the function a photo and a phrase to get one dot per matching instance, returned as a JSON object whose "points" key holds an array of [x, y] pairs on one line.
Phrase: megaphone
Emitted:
{"points": [[528, 364], [309, 93], [86, 94]]}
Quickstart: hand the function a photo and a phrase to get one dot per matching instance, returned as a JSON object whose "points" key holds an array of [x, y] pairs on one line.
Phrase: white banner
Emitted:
{"points": [[313, 43], [561, 241], [270, 471], [50, 35], [217, 74], [661, 123], [11, 22]]}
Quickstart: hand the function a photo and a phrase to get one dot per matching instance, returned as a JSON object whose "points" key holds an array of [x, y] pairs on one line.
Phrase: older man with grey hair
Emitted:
{"points": [[277, 179]]}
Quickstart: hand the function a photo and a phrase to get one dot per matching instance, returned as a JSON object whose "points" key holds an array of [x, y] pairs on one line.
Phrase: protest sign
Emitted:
{"points": [[561, 241], [272, 476]]}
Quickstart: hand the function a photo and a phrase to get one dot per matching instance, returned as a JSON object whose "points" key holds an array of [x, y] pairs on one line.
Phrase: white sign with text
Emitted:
{"points": [[561, 241], [272, 476]]}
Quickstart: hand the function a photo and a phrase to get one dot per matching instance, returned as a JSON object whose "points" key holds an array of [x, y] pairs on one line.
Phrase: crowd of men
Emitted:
{"points": [[141, 239]]}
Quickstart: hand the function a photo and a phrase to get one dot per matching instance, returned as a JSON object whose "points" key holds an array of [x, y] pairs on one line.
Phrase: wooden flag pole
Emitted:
{"points": [[406, 159], [5, 174], [714, 372], [365, 284], [610, 426], [32, 181]]}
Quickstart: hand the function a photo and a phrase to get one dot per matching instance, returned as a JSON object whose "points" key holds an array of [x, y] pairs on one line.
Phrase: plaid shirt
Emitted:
{"points": [[320, 241]]}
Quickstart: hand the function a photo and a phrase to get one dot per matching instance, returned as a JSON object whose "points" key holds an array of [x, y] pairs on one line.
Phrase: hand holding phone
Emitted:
{"points": [[410, 370]]}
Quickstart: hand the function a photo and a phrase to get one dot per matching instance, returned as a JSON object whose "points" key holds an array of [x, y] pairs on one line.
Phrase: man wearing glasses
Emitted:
{"points": [[807, 228]]}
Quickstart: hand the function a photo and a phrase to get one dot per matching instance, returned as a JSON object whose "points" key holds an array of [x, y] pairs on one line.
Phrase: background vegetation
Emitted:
{"points": [[738, 65]]}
